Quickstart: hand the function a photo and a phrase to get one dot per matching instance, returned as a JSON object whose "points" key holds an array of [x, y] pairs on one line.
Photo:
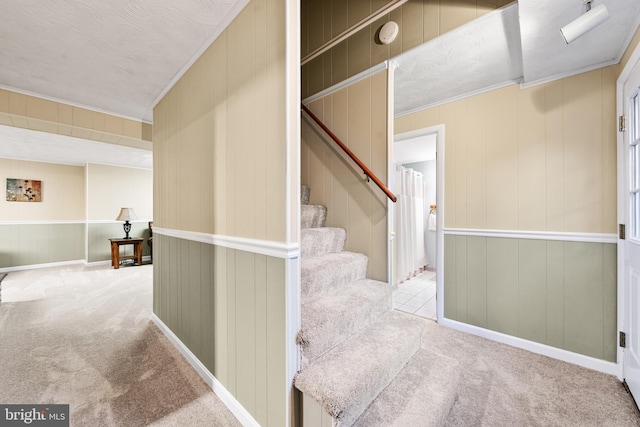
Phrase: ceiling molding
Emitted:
{"points": [[235, 11]]}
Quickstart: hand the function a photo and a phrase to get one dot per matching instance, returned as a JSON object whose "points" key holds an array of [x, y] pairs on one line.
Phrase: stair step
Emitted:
{"points": [[329, 320], [319, 241], [348, 378], [312, 216], [305, 192], [422, 394], [323, 274]]}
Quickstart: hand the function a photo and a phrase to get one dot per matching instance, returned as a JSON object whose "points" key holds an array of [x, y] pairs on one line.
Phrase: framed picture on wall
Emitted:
{"points": [[24, 190]]}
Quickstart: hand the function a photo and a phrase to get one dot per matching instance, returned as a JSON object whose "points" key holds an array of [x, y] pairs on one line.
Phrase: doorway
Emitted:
{"points": [[416, 179]]}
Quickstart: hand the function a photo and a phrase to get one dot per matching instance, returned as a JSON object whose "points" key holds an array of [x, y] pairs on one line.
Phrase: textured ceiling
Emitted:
{"points": [[545, 54], [111, 55], [518, 43], [482, 54], [116, 56], [26, 144]]}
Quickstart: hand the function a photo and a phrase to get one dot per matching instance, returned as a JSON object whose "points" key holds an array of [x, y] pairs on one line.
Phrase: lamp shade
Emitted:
{"points": [[126, 214]]}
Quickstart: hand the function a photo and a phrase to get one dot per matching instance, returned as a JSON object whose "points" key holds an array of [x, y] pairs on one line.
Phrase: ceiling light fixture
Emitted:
{"points": [[585, 22]]}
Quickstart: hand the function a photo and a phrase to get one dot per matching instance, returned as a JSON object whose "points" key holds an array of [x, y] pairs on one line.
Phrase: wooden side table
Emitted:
{"points": [[115, 250]]}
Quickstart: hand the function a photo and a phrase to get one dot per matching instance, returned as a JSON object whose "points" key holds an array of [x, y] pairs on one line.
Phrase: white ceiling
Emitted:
{"points": [[26, 144], [111, 55], [520, 42], [482, 54]]}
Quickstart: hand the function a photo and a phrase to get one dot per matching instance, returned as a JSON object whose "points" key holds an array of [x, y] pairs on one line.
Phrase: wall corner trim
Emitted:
{"points": [[262, 247], [599, 365], [227, 398]]}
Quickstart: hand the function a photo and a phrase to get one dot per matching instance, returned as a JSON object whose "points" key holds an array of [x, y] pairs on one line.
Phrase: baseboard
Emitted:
{"points": [[227, 398], [37, 266], [534, 347]]}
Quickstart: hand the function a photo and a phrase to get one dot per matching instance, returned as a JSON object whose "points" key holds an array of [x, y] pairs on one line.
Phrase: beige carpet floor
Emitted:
{"points": [[505, 386], [83, 336]]}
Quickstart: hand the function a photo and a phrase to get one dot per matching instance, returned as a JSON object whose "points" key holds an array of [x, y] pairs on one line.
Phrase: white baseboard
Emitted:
{"points": [[534, 347], [46, 265], [145, 258], [227, 398]]}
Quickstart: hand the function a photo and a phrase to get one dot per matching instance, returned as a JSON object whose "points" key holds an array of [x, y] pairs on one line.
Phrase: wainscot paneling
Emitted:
{"points": [[32, 244], [228, 307], [559, 293]]}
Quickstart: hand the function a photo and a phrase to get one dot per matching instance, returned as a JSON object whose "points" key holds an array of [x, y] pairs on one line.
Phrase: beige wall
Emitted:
{"points": [[63, 192], [357, 114], [39, 114], [219, 134], [71, 196], [112, 187], [536, 159], [220, 167], [69, 193], [419, 21]]}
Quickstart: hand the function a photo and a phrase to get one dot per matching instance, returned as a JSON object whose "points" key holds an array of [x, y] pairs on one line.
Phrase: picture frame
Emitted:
{"points": [[24, 190]]}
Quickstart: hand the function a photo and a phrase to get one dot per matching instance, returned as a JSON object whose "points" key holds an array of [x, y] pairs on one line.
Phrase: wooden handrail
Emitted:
{"points": [[353, 157]]}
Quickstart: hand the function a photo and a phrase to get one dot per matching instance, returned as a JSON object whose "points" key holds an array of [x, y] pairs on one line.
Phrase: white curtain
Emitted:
{"points": [[411, 256]]}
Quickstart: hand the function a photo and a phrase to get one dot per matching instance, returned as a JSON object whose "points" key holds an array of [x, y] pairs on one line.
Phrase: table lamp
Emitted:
{"points": [[125, 215]]}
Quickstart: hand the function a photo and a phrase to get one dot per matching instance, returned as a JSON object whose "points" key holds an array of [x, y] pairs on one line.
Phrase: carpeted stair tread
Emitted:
{"points": [[312, 216], [326, 323], [325, 273], [422, 394], [319, 241], [348, 378], [305, 192]]}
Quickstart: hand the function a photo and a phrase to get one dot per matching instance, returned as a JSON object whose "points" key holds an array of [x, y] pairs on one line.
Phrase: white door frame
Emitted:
{"points": [[438, 130], [634, 60]]}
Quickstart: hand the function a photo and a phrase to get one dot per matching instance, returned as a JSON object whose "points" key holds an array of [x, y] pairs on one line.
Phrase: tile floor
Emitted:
{"points": [[417, 295]]}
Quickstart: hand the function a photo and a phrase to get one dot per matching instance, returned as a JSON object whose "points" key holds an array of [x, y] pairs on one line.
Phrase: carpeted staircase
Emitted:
{"points": [[362, 362]]}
